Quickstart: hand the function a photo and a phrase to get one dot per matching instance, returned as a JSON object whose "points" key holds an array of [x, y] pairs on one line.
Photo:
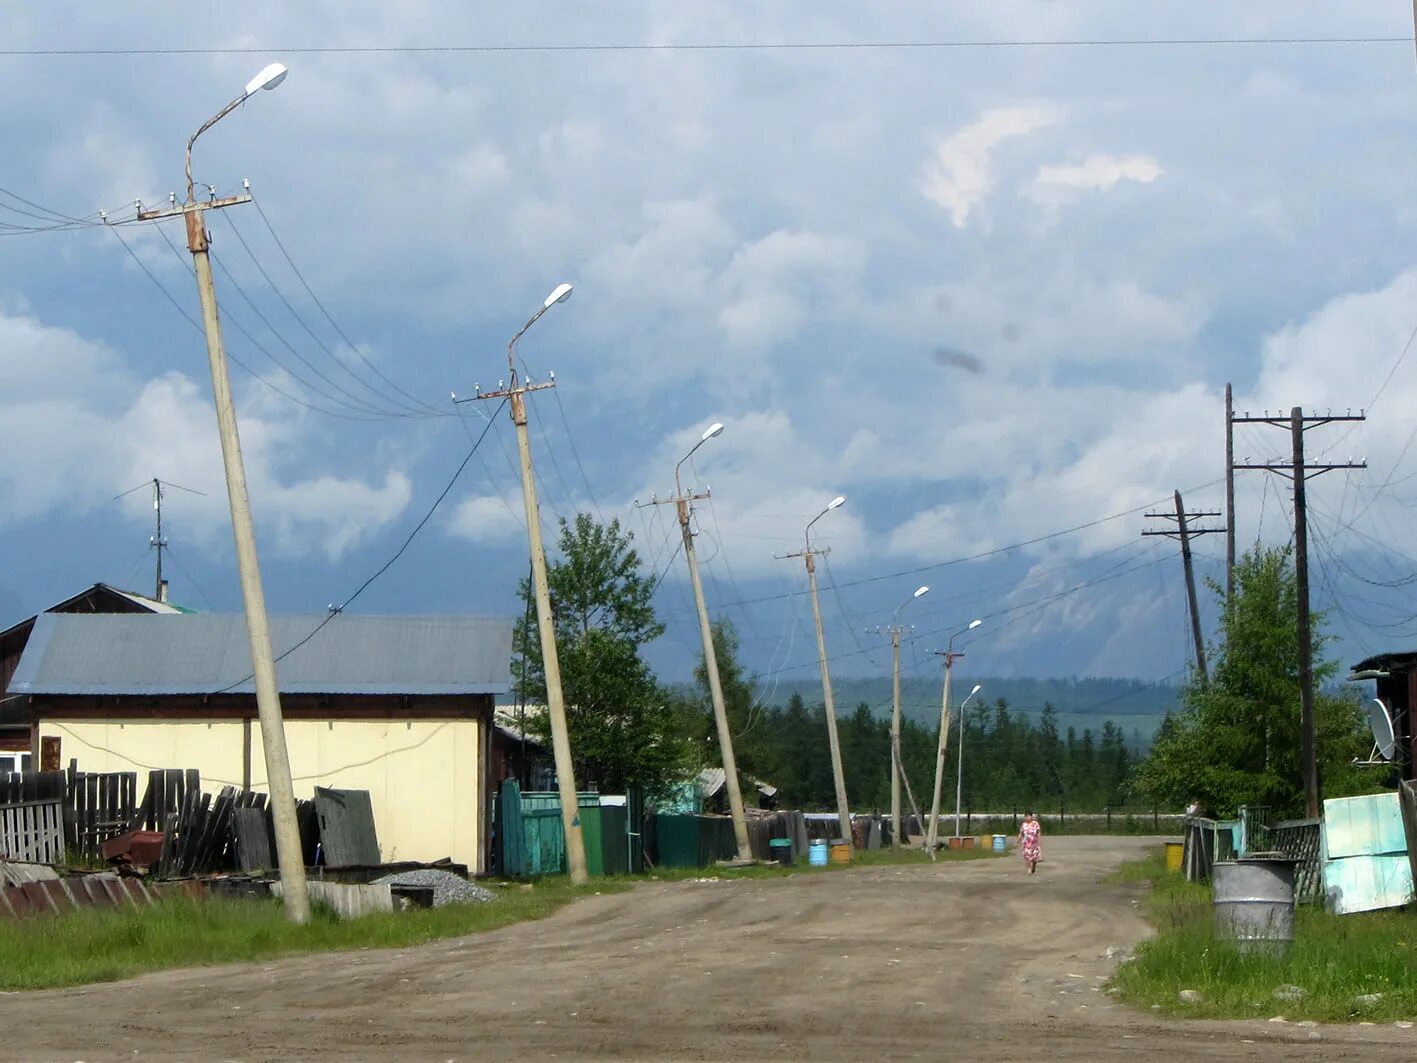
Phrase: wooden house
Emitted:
{"points": [[399, 706], [15, 734]]}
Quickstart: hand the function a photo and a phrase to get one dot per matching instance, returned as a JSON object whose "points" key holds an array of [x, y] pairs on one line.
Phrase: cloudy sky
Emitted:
{"points": [[991, 294]]}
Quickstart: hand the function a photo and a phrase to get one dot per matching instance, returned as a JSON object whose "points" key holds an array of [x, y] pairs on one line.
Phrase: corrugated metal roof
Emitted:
{"points": [[138, 654]]}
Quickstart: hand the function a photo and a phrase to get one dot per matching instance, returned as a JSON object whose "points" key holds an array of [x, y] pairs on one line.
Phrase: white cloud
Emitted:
{"points": [[487, 519], [960, 175], [81, 426], [1096, 173]]}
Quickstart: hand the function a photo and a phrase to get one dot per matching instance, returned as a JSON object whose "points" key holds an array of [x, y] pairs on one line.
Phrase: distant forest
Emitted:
{"points": [[1027, 742], [1134, 706], [1010, 760]]}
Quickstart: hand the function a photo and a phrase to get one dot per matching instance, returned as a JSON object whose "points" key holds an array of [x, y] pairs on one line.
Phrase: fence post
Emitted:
{"points": [[968, 817], [1155, 821], [1109, 819], [1015, 823], [1062, 816]]}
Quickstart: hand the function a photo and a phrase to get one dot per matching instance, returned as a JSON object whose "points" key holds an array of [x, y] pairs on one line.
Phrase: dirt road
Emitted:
{"points": [[968, 961]]}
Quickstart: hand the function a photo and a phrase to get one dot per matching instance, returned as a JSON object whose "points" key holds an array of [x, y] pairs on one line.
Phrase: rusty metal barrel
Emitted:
{"points": [[1254, 902]]}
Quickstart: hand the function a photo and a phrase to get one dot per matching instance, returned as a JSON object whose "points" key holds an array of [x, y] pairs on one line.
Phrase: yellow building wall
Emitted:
{"points": [[423, 776]]}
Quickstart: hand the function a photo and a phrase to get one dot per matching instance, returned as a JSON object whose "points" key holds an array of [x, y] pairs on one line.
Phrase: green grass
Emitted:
{"points": [[103, 945], [1334, 959]]}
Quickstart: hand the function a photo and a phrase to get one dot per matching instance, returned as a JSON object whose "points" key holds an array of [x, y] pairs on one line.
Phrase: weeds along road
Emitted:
{"points": [[970, 961]]}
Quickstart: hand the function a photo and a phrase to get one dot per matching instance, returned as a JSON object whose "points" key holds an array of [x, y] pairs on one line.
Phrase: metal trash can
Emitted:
{"points": [[781, 850], [1254, 902]]}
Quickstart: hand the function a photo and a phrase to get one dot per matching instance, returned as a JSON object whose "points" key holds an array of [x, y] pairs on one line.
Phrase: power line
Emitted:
{"points": [[719, 46], [197, 325], [993, 552], [235, 323], [353, 347], [404, 410]]}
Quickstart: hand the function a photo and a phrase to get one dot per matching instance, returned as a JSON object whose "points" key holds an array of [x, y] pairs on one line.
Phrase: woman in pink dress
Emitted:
{"points": [[1030, 842]]}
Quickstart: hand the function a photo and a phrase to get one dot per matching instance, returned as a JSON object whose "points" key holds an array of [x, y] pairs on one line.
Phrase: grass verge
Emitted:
{"points": [[105, 945], [1335, 960]]}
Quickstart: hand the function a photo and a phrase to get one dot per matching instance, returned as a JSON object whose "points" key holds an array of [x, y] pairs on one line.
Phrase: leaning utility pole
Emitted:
{"points": [[897, 764], [683, 505], [289, 855], [1184, 531], [1298, 470], [932, 831], [515, 394], [809, 555]]}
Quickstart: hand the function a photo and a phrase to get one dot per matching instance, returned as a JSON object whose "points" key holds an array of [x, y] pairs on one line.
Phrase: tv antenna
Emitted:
{"points": [[157, 540]]}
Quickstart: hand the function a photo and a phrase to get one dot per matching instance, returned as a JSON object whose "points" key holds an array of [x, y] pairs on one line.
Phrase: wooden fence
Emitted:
{"points": [[32, 831]]}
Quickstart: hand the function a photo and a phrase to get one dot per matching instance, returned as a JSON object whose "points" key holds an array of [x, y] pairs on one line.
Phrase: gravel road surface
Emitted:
{"points": [[970, 961]]}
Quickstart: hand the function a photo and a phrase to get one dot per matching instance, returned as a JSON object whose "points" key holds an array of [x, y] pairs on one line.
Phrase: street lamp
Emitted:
{"points": [[683, 506], [289, 855], [546, 628], [896, 770], [828, 703], [933, 834], [959, 776], [715, 429], [268, 78]]}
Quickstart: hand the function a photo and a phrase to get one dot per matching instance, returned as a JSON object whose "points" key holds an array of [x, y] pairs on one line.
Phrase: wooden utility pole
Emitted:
{"points": [[1183, 531], [1230, 492], [515, 394], [1299, 471], [896, 840], [683, 505], [1306, 641], [809, 555]]}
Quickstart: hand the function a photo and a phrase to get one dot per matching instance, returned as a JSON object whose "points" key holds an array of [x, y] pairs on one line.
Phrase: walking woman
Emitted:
{"points": [[1030, 842]]}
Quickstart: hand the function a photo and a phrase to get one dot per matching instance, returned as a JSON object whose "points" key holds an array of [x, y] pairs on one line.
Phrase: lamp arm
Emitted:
{"points": [[512, 343], [213, 120]]}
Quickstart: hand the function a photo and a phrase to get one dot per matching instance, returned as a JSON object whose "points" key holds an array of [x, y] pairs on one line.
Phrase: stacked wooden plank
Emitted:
{"points": [[32, 816]]}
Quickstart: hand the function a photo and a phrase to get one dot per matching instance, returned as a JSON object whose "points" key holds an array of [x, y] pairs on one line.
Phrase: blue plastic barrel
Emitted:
{"points": [[1001, 843], [817, 854]]}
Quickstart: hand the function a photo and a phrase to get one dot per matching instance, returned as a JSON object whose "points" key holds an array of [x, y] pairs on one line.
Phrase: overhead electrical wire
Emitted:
{"points": [[236, 323], [340, 332], [717, 46], [403, 409]]}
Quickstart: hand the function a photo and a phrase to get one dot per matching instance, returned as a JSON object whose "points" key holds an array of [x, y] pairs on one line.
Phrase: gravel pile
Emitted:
{"points": [[447, 887]]}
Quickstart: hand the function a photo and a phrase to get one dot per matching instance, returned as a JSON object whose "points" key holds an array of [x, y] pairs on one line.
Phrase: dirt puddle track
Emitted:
{"points": [[971, 961]]}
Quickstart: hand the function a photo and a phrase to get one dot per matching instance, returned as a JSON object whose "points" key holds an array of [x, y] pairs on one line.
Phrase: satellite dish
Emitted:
{"points": [[1380, 720]]}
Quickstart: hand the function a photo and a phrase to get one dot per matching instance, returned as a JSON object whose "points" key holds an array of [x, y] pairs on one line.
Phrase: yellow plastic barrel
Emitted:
{"points": [[1174, 852], [841, 854]]}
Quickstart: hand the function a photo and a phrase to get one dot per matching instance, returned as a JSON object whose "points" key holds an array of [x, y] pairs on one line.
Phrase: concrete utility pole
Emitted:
{"points": [[959, 771], [932, 830], [683, 504], [282, 789], [546, 623], [1183, 531], [1299, 471], [897, 766], [829, 705]]}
